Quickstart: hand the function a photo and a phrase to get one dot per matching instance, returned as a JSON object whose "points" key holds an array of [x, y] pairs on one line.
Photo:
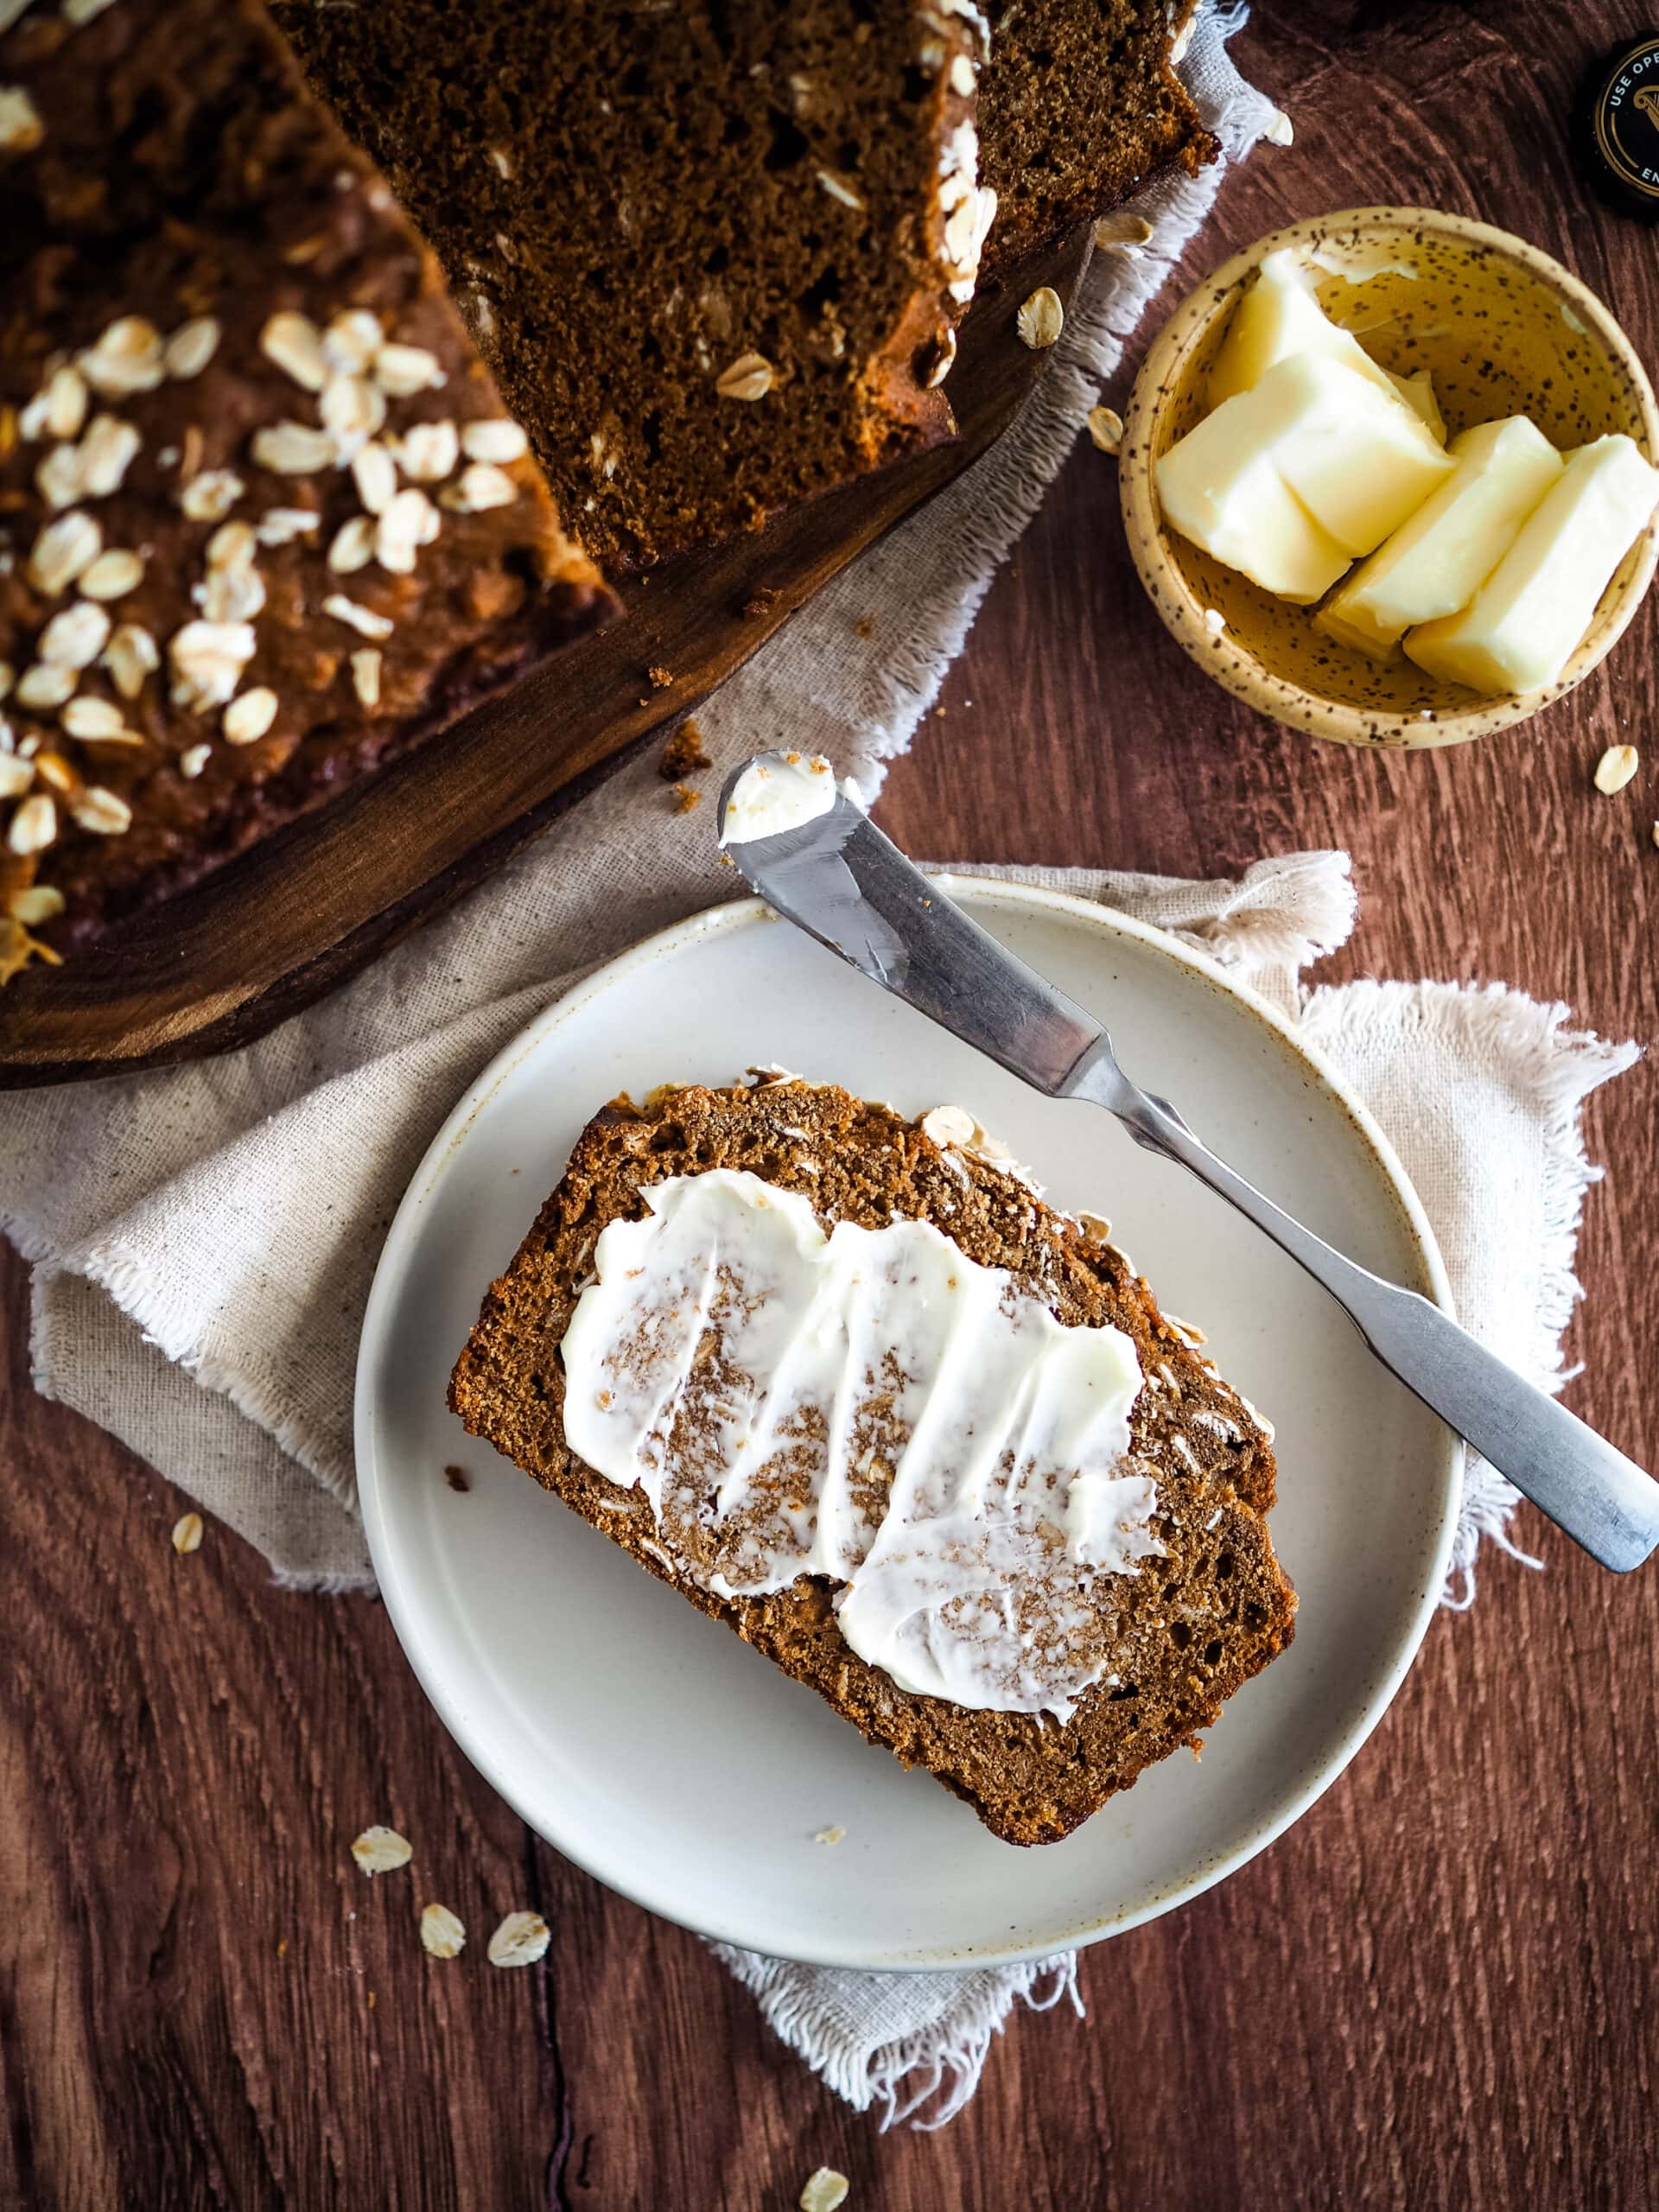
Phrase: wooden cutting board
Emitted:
{"points": [[310, 905]]}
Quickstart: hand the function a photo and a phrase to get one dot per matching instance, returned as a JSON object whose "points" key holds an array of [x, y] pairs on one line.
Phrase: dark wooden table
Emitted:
{"points": [[1437, 1990]]}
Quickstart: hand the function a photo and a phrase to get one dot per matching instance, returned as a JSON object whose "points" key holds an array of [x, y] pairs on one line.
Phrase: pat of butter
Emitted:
{"points": [[1358, 459], [1435, 563], [1236, 505], [1531, 612], [1347, 452], [1278, 317]]}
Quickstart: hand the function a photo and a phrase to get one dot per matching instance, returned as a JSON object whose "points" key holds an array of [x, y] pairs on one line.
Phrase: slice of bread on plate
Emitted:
{"points": [[997, 1509]]}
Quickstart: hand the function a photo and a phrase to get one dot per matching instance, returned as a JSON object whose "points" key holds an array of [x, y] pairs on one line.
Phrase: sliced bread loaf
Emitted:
{"points": [[712, 252]]}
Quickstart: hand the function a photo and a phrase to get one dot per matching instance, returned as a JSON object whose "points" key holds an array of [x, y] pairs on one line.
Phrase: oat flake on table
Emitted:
{"points": [[381, 1850]]}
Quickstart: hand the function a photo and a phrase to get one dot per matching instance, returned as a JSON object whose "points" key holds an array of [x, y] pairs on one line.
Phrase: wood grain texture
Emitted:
{"points": [[309, 906], [1436, 1991]]}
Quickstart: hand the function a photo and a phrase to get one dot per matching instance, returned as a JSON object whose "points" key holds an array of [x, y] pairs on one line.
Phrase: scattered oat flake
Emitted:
{"points": [[493, 438], [1106, 429], [381, 1851], [190, 348], [250, 715], [824, 2190], [21, 128], [210, 496], [365, 675], [427, 453], [441, 1932], [375, 472], [34, 827], [1120, 233], [363, 620], [1042, 318], [481, 486], [831, 1835], [187, 1533], [293, 449], [1280, 131], [838, 188], [295, 344], [1616, 767], [749, 376], [401, 370], [353, 546], [522, 1938]]}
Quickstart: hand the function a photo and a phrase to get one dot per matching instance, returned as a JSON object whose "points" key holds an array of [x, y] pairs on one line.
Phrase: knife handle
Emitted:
{"points": [[1603, 1500]]}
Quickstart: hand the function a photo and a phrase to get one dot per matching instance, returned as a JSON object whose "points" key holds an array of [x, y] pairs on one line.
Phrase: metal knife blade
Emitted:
{"points": [[837, 878]]}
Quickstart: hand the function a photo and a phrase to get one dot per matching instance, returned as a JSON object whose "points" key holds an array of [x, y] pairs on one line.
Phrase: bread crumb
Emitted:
{"points": [[456, 1477], [865, 628], [685, 798], [683, 754], [662, 678], [830, 1835]]}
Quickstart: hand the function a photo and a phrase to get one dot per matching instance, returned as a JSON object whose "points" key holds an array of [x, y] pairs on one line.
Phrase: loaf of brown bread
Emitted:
{"points": [[267, 517], [714, 252], [263, 517], [1183, 1632]]}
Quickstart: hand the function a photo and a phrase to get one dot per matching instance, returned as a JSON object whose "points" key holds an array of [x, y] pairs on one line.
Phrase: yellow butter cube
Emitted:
{"points": [[1280, 315], [1435, 563], [1522, 626], [1358, 459], [1353, 460], [1238, 507]]}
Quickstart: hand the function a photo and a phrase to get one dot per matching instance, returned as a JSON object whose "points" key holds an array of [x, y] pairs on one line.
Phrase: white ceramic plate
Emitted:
{"points": [[648, 1743]]}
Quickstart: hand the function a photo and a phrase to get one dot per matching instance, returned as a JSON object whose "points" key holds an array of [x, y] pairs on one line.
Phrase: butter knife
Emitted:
{"points": [[815, 856]]}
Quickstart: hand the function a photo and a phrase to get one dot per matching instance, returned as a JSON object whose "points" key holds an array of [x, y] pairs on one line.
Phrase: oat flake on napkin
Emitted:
{"points": [[203, 1237]]}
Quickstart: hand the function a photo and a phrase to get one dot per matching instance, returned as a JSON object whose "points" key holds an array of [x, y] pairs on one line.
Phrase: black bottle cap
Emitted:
{"points": [[1619, 126]]}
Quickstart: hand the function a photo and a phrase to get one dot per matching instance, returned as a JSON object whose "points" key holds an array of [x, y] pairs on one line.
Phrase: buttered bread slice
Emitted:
{"points": [[848, 1384]]}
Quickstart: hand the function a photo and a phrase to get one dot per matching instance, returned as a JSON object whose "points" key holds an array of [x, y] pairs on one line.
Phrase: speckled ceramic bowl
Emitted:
{"points": [[1503, 330]]}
